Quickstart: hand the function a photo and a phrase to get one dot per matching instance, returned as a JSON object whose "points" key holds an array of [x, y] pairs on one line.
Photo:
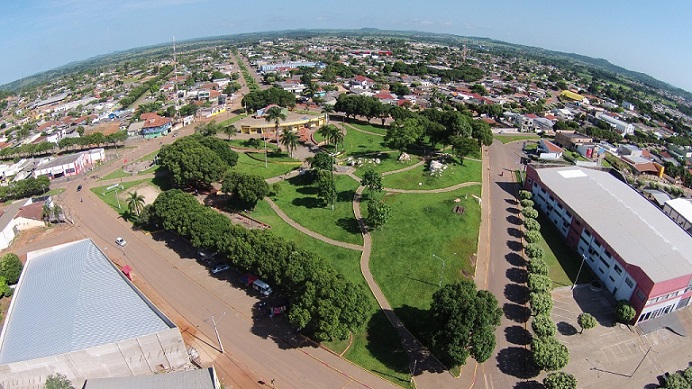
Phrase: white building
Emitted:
{"points": [[680, 210], [621, 127]]}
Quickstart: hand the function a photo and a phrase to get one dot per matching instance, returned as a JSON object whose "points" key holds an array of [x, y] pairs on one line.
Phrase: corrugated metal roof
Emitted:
{"points": [[70, 297], [682, 206], [193, 379], [638, 231]]}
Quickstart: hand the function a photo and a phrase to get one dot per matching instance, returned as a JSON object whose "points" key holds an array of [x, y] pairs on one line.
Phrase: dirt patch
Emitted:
{"points": [[146, 190]]}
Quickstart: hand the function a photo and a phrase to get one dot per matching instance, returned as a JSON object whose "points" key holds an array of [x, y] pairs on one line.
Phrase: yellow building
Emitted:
{"points": [[571, 95], [293, 122]]}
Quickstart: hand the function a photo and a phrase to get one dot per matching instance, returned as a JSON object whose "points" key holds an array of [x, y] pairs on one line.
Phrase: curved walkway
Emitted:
{"points": [[359, 130], [419, 163], [439, 190]]}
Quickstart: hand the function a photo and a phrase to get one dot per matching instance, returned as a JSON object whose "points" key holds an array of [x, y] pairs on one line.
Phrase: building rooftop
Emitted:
{"points": [[60, 161], [636, 229], [682, 206], [190, 379], [71, 297]]}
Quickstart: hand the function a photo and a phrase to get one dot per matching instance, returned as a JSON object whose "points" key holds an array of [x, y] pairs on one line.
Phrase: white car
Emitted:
{"points": [[222, 267], [120, 242]]}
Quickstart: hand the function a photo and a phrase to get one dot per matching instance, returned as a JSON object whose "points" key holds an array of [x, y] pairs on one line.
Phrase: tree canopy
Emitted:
{"points": [[463, 322], [246, 189], [549, 354], [261, 98], [197, 160], [10, 268]]}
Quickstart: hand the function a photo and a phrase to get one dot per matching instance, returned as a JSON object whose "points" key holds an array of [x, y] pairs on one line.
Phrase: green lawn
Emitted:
{"points": [[377, 347], [506, 138], [388, 162], [298, 198], [377, 129], [454, 174], [358, 143], [254, 166], [563, 262], [149, 157], [402, 260], [233, 120], [244, 143], [116, 174], [110, 197]]}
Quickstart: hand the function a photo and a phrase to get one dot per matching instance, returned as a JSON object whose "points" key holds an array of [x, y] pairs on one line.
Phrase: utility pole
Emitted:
{"points": [[214, 322], [583, 258]]}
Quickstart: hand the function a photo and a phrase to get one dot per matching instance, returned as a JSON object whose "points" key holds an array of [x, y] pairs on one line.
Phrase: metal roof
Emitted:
{"points": [[71, 297], [639, 232], [682, 206], [191, 379]]}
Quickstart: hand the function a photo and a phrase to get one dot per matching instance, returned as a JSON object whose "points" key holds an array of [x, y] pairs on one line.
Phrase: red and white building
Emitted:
{"points": [[638, 252], [69, 165]]}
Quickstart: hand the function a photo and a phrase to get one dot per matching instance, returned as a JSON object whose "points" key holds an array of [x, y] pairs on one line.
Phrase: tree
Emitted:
{"points": [[247, 189], [135, 203], [525, 195], [11, 268], [534, 250], [543, 325], [462, 146], [378, 213], [526, 203], [549, 354], [541, 303], [230, 130], [529, 213], [537, 266], [58, 381], [586, 321], [322, 161], [403, 133], [532, 224], [532, 236], [276, 115], [290, 140], [624, 312], [560, 380], [326, 188], [5, 289], [208, 129], [539, 283], [463, 321], [189, 163], [676, 381], [372, 180]]}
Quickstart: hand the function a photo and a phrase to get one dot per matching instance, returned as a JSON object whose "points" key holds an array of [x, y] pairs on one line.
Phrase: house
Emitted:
{"points": [[188, 379], [638, 253], [156, 126], [548, 150], [96, 325], [361, 82], [571, 96], [570, 139], [7, 224], [623, 128]]}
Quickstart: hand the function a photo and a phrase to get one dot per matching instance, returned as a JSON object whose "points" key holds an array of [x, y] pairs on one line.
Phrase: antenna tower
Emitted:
{"points": [[464, 51]]}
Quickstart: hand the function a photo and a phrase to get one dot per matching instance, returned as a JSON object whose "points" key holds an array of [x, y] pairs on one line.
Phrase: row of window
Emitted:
{"points": [[668, 296]]}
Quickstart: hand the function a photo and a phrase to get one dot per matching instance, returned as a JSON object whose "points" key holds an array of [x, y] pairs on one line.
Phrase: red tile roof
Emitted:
{"points": [[149, 115], [156, 122], [552, 147], [33, 211]]}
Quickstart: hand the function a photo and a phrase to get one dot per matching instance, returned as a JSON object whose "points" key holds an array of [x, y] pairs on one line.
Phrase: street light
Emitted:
{"points": [[215, 322], [583, 258], [265, 147], [441, 270]]}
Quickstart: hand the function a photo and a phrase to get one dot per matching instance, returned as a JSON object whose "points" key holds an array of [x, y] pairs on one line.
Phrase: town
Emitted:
{"points": [[359, 209]]}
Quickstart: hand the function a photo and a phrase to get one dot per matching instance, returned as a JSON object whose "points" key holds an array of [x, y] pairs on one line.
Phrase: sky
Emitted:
{"points": [[651, 37]]}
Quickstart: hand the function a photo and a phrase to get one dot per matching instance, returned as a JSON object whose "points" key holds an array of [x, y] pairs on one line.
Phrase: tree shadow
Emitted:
{"points": [[514, 232], [516, 313], [514, 245], [349, 225], [511, 188], [511, 201], [307, 190], [533, 384], [566, 329], [515, 259], [345, 196], [384, 344], [517, 362], [517, 274], [512, 219], [517, 335], [518, 294], [307, 202], [512, 210]]}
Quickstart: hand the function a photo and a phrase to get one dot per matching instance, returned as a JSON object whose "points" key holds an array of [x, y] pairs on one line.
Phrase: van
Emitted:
{"points": [[262, 287]]}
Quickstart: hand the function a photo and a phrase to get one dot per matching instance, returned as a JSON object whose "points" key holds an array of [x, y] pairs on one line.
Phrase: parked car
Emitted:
{"points": [[120, 242], [206, 255], [221, 267], [79, 187], [262, 287]]}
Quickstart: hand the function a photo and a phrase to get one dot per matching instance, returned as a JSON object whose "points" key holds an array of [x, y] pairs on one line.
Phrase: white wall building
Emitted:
{"points": [[680, 210]]}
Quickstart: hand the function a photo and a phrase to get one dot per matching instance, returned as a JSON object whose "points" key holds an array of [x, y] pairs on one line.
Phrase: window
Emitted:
{"points": [[529, 180], [597, 243], [601, 270], [587, 233], [606, 264], [611, 278], [617, 268], [688, 289], [641, 295], [607, 253], [629, 282], [551, 198]]}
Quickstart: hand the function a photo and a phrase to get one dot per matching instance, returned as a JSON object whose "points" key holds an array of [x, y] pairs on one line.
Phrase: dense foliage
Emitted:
{"points": [[323, 302], [24, 188], [463, 323], [197, 161], [549, 354], [261, 98], [10, 268]]}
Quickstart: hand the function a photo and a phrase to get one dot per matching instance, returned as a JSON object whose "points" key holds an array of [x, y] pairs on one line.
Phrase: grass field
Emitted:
{"points": [[116, 174], [254, 166], [244, 143], [402, 259], [506, 138], [563, 262], [454, 174], [110, 198], [298, 198], [377, 347], [377, 129], [232, 120], [388, 162], [357, 143]]}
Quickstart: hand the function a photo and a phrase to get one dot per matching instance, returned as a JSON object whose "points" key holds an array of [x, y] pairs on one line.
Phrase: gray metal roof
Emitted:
{"points": [[191, 379], [682, 206], [8, 214], [638, 231], [70, 297], [63, 160]]}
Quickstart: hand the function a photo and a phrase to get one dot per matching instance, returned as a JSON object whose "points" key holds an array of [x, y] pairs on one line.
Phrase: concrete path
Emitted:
{"points": [[359, 130], [439, 190], [419, 163]]}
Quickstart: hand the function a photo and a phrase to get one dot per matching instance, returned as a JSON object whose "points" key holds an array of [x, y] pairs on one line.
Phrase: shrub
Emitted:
{"points": [[532, 224], [624, 312], [539, 283], [586, 321], [543, 325], [525, 195], [541, 303], [10, 268], [534, 251], [560, 380], [529, 212], [538, 266], [532, 236], [526, 203]]}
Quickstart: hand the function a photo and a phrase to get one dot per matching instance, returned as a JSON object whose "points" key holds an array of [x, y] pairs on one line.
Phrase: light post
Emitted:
{"points": [[583, 258], [265, 147], [215, 322], [441, 270]]}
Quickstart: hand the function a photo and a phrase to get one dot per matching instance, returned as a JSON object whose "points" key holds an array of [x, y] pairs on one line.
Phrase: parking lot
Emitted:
{"points": [[614, 355]]}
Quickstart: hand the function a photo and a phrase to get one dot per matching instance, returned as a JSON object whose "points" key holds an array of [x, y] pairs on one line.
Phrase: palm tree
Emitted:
{"points": [[276, 115], [135, 203], [290, 140], [337, 137], [326, 132], [327, 110]]}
